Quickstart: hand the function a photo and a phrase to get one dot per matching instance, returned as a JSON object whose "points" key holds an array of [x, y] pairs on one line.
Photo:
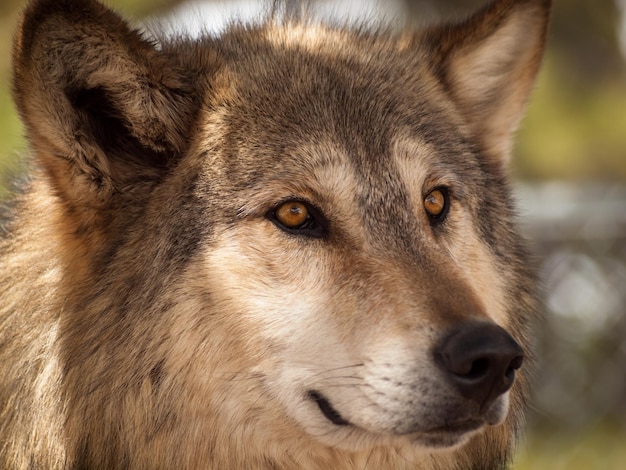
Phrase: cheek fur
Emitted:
{"points": [[272, 282]]}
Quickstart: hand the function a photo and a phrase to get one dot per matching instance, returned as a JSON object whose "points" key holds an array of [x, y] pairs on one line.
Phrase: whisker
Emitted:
{"points": [[327, 371]]}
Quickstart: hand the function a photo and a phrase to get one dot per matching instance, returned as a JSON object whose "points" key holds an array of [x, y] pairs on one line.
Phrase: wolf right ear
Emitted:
{"points": [[102, 106], [488, 65]]}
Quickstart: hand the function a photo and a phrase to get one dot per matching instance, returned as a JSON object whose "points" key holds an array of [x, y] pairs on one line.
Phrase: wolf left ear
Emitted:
{"points": [[103, 107], [488, 64]]}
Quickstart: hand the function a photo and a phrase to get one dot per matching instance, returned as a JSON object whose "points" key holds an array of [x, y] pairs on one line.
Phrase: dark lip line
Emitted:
{"points": [[329, 412], [332, 415]]}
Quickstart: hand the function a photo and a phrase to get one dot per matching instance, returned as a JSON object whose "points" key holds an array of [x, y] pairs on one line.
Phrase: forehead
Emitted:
{"points": [[298, 86]]}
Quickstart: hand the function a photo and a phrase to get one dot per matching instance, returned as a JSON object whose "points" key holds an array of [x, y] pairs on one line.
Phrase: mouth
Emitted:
{"points": [[330, 413], [447, 435]]}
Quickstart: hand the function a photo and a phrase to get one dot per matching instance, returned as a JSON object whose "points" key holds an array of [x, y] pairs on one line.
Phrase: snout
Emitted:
{"points": [[439, 396], [479, 359]]}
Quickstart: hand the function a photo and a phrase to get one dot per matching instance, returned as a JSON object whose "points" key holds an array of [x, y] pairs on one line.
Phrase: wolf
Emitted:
{"points": [[289, 245]]}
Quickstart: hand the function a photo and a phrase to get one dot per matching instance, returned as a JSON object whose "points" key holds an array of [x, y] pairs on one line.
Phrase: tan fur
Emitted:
{"points": [[155, 314]]}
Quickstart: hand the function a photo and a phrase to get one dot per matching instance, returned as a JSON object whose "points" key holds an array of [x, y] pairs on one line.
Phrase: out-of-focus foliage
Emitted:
{"points": [[10, 128], [576, 126], [573, 132], [132, 7], [600, 448]]}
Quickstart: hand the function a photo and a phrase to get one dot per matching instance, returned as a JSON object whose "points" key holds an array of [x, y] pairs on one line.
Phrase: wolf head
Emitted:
{"points": [[291, 234]]}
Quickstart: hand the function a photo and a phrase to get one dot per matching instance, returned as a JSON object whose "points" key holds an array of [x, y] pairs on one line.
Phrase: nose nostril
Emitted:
{"points": [[479, 368], [514, 365], [517, 362]]}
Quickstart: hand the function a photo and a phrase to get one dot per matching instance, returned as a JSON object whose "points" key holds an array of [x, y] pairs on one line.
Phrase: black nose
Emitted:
{"points": [[480, 359]]}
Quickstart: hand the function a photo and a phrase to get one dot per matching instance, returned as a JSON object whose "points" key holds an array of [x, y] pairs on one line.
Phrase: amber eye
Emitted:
{"points": [[436, 204], [292, 214], [298, 217]]}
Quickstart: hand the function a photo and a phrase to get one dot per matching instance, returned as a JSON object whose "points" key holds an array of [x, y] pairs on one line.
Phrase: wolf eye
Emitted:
{"points": [[298, 217], [292, 214], [436, 204]]}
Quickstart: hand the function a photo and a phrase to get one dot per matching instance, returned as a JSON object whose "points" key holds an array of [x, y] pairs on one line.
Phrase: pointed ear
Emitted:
{"points": [[103, 108], [488, 64]]}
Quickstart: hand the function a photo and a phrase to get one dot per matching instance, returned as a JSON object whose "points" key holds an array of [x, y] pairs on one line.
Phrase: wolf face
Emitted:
{"points": [[291, 246]]}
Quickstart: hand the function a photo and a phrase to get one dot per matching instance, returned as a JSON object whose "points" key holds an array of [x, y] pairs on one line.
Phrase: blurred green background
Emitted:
{"points": [[570, 167]]}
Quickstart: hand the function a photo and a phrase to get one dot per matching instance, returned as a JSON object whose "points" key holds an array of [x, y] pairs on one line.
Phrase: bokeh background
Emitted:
{"points": [[570, 173]]}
